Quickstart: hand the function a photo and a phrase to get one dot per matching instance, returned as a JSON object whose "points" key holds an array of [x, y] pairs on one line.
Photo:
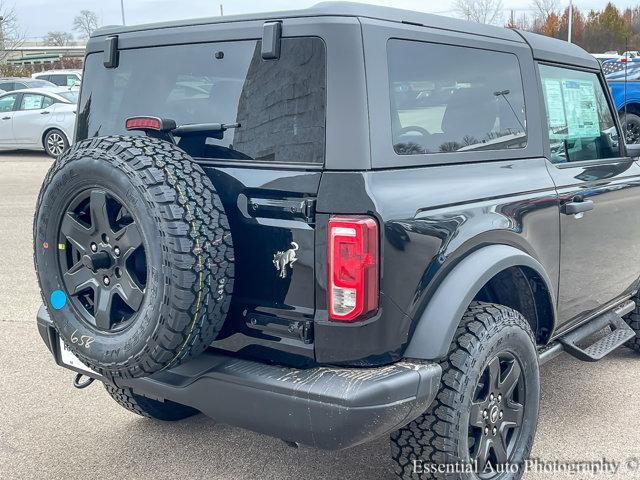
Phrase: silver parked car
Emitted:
{"points": [[37, 119]]}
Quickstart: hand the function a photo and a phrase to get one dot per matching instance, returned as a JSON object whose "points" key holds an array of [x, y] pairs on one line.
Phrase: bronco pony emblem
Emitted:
{"points": [[282, 259]]}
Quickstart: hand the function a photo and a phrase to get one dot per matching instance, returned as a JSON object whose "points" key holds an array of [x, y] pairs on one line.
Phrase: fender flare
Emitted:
{"points": [[438, 323]]}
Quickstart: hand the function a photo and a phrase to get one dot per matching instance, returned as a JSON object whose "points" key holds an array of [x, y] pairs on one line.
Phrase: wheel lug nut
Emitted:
{"points": [[491, 397], [486, 430], [499, 397], [106, 280], [116, 250], [501, 414], [485, 414], [94, 247], [494, 431]]}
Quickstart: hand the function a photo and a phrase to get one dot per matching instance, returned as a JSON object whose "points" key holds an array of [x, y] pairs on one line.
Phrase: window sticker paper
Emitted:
{"points": [[555, 105], [581, 109]]}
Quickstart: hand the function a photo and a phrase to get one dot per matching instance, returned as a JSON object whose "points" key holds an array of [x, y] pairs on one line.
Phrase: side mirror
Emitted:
{"points": [[633, 150]]}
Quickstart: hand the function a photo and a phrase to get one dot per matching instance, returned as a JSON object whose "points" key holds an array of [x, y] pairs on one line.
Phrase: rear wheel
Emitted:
{"points": [[483, 420], [55, 143], [167, 411]]}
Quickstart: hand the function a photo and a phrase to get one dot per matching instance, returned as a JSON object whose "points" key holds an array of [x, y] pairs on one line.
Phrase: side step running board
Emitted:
{"points": [[620, 334]]}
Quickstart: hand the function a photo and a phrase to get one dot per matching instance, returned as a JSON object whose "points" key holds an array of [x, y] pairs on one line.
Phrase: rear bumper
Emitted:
{"points": [[324, 407]]}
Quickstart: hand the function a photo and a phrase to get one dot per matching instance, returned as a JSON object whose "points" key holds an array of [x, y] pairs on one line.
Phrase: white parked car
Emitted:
{"points": [[62, 78], [11, 84], [37, 119]]}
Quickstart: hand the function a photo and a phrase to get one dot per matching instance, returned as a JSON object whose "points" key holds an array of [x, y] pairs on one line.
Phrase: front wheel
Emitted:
{"points": [[631, 126], [483, 420], [55, 143]]}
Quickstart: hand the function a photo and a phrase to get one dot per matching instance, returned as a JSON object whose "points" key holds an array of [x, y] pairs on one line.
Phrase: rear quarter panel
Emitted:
{"points": [[622, 97], [430, 218]]}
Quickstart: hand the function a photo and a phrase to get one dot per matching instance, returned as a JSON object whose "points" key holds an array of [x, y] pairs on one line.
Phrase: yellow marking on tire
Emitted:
{"points": [[200, 270]]}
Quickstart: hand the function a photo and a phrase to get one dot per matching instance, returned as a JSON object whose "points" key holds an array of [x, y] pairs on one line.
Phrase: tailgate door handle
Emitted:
{"points": [[573, 208]]}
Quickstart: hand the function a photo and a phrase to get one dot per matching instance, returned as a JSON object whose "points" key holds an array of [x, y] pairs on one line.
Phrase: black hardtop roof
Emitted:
{"points": [[544, 48], [558, 51], [338, 9]]}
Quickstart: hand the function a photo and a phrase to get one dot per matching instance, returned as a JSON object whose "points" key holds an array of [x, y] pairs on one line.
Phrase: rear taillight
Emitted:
{"points": [[353, 267]]}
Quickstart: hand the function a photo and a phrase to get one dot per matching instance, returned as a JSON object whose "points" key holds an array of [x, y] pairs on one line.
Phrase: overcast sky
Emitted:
{"points": [[41, 16]]}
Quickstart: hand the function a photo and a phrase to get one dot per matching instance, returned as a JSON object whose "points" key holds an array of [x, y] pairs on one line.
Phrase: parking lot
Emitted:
{"points": [[48, 429]]}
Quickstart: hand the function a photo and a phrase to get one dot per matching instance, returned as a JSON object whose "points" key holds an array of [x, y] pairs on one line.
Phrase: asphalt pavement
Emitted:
{"points": [[48, 429]]}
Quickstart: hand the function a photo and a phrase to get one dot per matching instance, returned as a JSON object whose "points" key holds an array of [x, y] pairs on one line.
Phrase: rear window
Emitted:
{"points": [[279, 104], [40, 84], [71, 96], [446, 98]]}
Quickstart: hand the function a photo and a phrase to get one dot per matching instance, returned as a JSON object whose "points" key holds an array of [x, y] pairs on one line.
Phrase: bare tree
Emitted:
{"points": [[58, 39], [521, 22], [85, 23], [544, 8], [481, 11], [11, 35]]}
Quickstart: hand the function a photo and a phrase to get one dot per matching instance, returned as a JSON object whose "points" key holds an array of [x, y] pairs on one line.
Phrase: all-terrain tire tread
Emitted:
{"points": [[431, 438], [633, 320], [195, 240], [146, 407]]}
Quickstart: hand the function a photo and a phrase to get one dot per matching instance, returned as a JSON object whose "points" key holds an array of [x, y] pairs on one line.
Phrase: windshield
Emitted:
{"points": [[71, 96], [278, 104]]}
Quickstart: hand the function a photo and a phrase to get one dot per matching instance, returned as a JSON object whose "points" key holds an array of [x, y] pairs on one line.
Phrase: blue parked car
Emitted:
{"points": [[629, 116]]}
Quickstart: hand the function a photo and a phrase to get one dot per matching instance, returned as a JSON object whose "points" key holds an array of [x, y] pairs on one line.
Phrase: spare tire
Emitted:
{"points": [[133, 255]]}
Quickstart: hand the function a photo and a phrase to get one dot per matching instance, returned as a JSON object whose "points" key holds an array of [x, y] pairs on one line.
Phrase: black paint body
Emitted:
{"points": [[433, 210]]}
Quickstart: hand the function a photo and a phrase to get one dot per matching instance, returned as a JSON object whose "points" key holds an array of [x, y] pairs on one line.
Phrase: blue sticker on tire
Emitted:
{"points": [[58, 299]]}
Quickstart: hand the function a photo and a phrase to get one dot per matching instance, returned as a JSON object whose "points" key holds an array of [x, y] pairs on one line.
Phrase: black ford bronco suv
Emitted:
{"points": [[339, 223]]}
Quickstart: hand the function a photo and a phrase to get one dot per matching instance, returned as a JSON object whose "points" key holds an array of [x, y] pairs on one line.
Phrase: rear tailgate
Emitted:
{"points": [[272, 222], [266, 166]]}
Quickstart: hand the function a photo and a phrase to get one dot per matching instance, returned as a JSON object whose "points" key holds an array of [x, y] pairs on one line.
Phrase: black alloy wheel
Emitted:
{"points": [[631, 125], [103, 262], [483, 419], [496, 414], [134, 255]]}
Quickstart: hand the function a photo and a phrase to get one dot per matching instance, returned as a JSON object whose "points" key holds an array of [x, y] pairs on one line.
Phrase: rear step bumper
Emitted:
{"points": [[324, 407]]}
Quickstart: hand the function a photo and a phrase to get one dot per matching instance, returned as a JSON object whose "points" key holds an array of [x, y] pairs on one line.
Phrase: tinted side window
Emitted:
{"points": [[446, 99], [279, 104], [580, 121], [7, 103], [7, 87]]}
